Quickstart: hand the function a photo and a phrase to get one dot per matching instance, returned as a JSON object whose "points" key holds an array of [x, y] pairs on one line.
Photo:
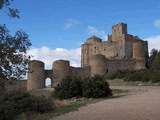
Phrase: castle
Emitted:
{"points": [[121, 51]]}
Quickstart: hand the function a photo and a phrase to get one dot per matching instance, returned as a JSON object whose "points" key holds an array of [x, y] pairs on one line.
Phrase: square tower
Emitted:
{"points": [[118, 31]]}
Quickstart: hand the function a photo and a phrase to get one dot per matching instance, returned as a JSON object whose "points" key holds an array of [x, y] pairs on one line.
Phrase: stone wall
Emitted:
{"points": [[80, 72], [16, 85], [122, 65]]}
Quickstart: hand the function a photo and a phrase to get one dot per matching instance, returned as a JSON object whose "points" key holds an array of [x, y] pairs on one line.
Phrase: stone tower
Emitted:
{"points": [[91, 47], [118, 31], [98, 65], [36, 75], [61, 69]]}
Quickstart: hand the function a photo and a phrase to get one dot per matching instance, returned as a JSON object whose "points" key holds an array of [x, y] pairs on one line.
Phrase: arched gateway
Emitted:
{"points": [[37, 75]]}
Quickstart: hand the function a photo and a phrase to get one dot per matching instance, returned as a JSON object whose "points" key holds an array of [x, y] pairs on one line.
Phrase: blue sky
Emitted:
{"points": [[62, 25]]}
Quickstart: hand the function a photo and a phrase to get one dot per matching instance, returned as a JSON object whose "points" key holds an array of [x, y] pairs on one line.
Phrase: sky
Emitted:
{"points": [[57, 28]]}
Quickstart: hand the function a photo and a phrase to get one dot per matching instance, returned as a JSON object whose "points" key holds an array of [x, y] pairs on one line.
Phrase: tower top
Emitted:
{"points": [[119, 24]]}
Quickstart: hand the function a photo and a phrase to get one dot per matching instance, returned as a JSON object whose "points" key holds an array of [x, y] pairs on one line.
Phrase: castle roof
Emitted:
{"points": [[94, 38]]}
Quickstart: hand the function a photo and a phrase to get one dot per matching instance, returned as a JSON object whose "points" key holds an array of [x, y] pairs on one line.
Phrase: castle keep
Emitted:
{"points": [[121, 51]]}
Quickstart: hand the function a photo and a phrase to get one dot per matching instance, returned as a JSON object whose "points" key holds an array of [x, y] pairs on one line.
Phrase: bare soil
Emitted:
{"points": [[142, 103]]}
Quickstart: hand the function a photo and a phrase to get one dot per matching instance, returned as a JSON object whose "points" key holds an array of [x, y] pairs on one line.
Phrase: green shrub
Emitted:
{"points": [[41, 104], [96, 87], [119, 74], [76, 87], [155, 76], [143, 75], [90, 87], [69, 87], [15, 103], [133, 76], [11, 104]]}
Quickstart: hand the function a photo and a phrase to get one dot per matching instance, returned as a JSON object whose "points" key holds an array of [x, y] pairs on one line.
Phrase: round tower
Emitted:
{"points": [[61, 69], [36, 75], [98, 64], [139, 54]]}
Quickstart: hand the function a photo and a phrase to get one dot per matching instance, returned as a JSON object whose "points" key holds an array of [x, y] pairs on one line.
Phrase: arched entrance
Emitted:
{"points": [[48, 83]]}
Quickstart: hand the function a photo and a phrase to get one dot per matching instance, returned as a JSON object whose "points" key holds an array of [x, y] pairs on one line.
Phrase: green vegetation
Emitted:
{"points": [[13, 48], [152, 74], [154, 59], [68, 105], [96, 87], [146, 75], [68, 88], [6, 6], [13, 104], [93, 87]]}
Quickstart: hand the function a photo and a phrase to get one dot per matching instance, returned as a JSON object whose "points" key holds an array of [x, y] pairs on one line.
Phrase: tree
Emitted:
{"points": [[13, 53], [156, 62], [5, 5], [13, 58], [152, 57]]}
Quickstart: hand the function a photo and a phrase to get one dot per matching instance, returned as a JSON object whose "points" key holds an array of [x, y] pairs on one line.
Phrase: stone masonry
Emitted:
{"points": [[121, 51]]}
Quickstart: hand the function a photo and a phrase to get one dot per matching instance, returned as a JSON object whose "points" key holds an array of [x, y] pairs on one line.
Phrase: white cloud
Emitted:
{"points": [[48, 55], [95, 31], [70, 23], [153, 42], [157, 23]]}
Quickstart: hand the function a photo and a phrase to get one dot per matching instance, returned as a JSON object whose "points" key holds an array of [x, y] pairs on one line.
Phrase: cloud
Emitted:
{"points": [[48, 55], [153, 42], [95, 31], [71, 23], [157, 23]]}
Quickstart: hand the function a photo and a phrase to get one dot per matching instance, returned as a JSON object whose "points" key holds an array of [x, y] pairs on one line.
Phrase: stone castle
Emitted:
{"points": [[121, 51]]}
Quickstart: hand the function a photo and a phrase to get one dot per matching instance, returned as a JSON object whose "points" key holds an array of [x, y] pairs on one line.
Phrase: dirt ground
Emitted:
{"points": [[143, 103]]}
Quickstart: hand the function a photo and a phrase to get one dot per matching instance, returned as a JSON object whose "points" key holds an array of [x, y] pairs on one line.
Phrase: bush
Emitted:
{"points": [[69, 87], [118, 74], [155, 76], [75, 87], [41, 104], [144, 75], [13, 104], [96, 87]]}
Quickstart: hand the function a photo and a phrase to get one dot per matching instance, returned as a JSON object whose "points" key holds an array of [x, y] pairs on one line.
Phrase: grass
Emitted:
{"points": [[72, 105]]}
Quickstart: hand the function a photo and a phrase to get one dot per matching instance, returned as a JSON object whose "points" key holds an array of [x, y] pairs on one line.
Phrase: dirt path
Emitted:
{"points": [[144, 105]]}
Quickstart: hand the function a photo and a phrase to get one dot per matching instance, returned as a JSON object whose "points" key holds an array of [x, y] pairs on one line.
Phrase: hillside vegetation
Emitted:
{"points": [[151, 74]]}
